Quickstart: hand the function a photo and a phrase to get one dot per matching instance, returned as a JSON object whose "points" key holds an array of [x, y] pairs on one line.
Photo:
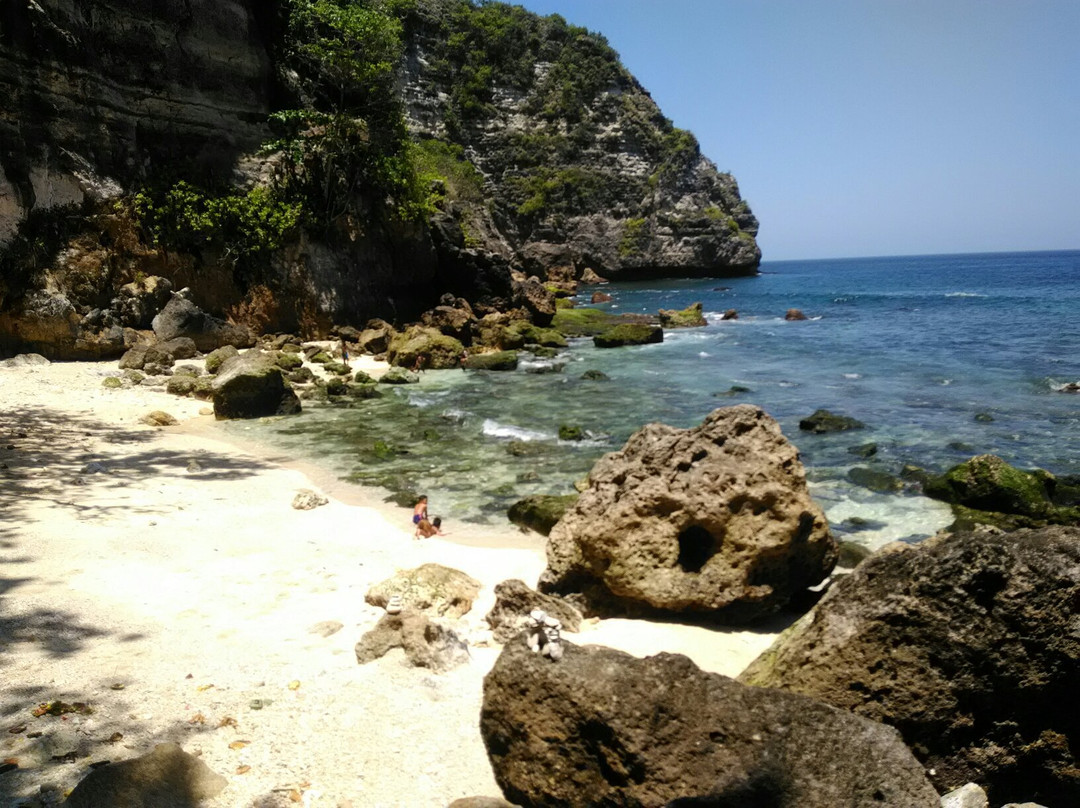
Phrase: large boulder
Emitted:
{"points": [[251, 385], [137, 302], [427, 348], [166, 352], [714, 520], [430, 588], [600, 727], [182, 318], [535, 298], [376, 336], [968, 645]]}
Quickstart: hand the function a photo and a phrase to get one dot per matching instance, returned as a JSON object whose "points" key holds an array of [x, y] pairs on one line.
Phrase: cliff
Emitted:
{"points": [[140, 139]]}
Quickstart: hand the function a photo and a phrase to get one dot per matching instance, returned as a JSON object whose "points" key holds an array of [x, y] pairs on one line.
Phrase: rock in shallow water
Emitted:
{"points": [[600, 727]]}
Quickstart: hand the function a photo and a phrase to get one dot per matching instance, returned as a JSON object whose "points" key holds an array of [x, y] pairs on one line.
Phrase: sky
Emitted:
{"points": [[871, 127]]}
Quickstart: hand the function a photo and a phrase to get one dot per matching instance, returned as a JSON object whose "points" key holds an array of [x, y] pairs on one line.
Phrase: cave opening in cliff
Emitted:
{"points": [[696, 547]]}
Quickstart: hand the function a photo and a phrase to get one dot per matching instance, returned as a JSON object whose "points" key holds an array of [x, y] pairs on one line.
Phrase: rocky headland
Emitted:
{"points": [[245, 151]]}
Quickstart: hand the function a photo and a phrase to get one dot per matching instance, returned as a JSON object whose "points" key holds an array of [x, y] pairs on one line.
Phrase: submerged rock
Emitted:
{"points": [[540, 512], [967, 645], [824, 421], [714, 520], [600, 727]]}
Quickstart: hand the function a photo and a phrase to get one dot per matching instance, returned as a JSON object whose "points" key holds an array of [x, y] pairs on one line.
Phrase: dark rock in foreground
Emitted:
{"points": [[603, 728], [167, 777], [968, 645], [714, 521]]}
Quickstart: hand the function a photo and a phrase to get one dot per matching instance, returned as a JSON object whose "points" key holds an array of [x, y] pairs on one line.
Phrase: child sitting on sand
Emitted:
{"points": [[425, 528]]}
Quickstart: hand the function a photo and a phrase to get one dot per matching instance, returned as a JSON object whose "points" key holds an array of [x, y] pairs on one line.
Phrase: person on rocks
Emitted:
{"points": [[344, 353], [421, 361]]}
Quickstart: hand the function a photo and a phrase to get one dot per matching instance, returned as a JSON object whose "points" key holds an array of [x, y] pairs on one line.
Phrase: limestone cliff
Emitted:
{"points": [[549, 156], [579, 164]]}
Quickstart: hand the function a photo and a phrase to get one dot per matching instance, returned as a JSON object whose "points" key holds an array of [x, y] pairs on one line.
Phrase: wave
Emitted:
{"points": [[964, 294], [494, 429]]}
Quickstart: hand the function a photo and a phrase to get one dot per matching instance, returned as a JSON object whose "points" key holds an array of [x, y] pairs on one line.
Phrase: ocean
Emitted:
{"points": [[941, 357]]}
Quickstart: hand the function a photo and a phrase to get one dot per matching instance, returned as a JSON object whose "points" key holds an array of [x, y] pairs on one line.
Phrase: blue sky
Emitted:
{"points": [[871, 127]]}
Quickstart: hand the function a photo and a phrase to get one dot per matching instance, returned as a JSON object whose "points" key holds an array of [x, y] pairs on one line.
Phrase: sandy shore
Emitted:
{"points": [[161, 576]]}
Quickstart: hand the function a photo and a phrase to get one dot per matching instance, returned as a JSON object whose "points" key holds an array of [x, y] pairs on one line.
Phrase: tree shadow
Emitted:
{"points": [[55, 752]]}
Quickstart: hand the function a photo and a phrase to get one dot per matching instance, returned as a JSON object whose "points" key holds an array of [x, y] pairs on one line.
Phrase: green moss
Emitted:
{"points": [[571, 432], [988, 483], [542, 512], [635, 238], [629, 334], [582, 321]]}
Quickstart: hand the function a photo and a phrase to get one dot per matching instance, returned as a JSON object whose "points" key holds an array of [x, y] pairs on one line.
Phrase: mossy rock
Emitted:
{"points": [[429, 346], [338, 368], [564, 303], [337, 386], [291, 348], [186, 370], [204, 388], [690, 317], [180, 385], [500, 336], [595, 376], [217, 357], [583, 322], [988, 483], [289, 361], [541, 512], [875, 480], [547, 338], [864, 450], [363, 391], [499, 360], [399, 376], [527, 448], [540, 352], [360, 377], [321, 358], [302, 375], [112, 383], [133, 376], [629, 334], [571, 432], [823, 421]]}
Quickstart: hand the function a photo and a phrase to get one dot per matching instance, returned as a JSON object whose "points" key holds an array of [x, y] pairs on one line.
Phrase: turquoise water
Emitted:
{"points": [[914, 347]]}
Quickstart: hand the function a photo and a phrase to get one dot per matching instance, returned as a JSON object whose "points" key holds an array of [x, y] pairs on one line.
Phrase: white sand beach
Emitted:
{"points": [[162, 577]]}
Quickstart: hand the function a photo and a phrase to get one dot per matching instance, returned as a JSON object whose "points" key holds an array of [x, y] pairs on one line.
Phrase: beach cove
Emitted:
{"points": [[160, 576]]}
